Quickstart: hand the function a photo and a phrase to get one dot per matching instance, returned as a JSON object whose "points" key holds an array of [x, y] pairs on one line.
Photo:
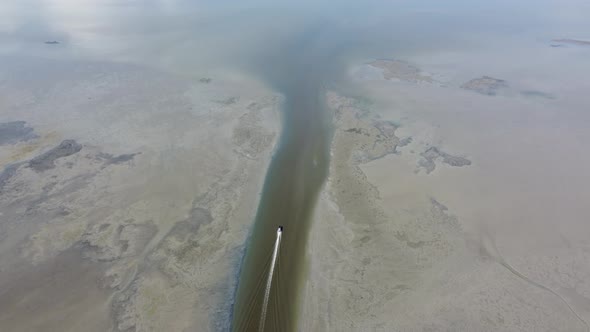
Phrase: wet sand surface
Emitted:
{"points": [[129, 208], [473, 220], [59, 294]]}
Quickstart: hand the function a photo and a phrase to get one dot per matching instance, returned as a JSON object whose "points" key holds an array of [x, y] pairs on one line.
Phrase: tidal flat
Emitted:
{"points": [[427, 162]]}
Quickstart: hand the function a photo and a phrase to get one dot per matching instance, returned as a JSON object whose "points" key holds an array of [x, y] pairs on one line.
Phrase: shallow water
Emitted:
{"points": [[300, 50]]}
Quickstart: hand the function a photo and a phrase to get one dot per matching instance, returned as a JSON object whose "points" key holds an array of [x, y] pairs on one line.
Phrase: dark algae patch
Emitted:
{"points": [[485, 85], [14, 132], [570, 41], [432, 154], [8, 172], [115, 160], [47, 160]]}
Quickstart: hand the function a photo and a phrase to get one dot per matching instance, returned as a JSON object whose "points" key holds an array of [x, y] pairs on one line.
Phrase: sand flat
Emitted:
{"points": [[144, 208], [491, 244]]}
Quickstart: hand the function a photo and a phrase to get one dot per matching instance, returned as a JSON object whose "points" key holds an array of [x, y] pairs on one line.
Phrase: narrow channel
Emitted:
{"points": [[294, 178]]}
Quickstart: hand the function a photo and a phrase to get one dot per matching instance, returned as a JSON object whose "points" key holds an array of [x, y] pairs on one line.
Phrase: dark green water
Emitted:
{"points": [[293, 181]]}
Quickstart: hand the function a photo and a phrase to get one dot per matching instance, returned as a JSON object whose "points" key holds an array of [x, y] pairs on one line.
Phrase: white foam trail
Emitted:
{"points": [[269, 280]]}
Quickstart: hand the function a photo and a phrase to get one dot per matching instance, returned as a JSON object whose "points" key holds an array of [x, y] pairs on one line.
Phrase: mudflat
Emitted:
{"points": [[126, 194], [472, 218]]}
